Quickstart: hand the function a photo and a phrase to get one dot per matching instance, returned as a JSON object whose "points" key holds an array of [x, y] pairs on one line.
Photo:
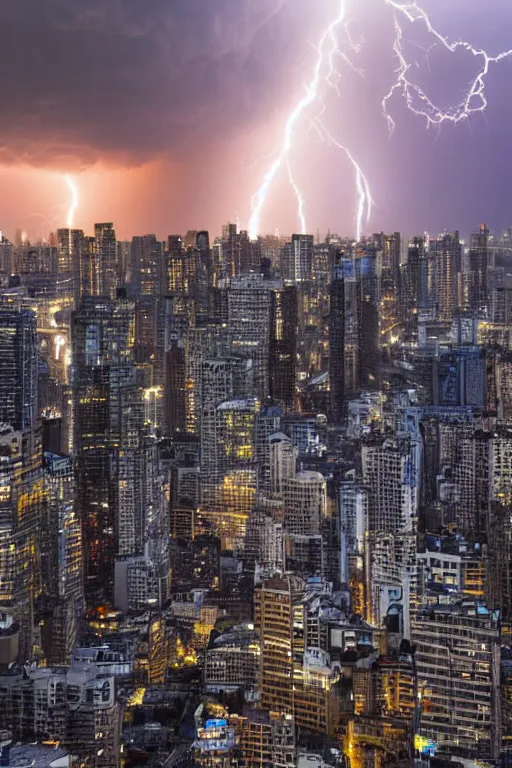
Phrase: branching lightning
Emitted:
{"points": [[324, 73], [474, 100], [75, 200], [329, 51], [364, 198], [298, 195]]}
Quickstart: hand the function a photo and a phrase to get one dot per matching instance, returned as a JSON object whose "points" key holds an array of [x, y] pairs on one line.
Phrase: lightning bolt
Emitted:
{"points": [[474, 99], [364, 198], [74, 202], [298, 194], [325, 72]]}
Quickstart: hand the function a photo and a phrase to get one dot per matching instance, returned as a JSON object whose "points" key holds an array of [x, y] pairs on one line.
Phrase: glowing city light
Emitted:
{"points": [[60, 341]]}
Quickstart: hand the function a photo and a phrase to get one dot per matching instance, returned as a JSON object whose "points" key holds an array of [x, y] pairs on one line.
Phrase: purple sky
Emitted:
{"points": [[162, 111]]}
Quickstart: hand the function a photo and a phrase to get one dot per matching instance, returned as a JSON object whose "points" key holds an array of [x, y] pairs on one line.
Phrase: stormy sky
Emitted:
{"points": [[167, 114]]}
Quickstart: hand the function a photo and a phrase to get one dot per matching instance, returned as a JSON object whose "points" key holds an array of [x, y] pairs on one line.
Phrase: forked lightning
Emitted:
{"points": [[335, 46]]}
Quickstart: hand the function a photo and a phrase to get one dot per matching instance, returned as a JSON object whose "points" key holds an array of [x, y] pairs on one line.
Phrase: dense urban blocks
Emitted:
{"points": [[255, 500]]}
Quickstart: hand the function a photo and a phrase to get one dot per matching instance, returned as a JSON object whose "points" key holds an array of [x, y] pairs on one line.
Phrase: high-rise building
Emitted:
{"points": [[6, 256], [181, 266], [235, 434], [229, 488], [276, 601], [268, 738], [105, 256], [297, 259], [19, 368], [146, 268], [445, 253], [283, 346], [224, 380], [249, 324], [76, 707], [22, 497], [271, 247], [479, 265], [457, 662], [414, 282], [70, 243], [216, 387], [142, 527], [62, 563], [175, 402], [460, 377], [305, 503], [498, 583], [240, 254], [337, 343], [353, 500], [123, 261], [21, 518], [264, 545], [368, 318], [390, 247], [283, 462], [204, 275], [88, 277], [392, 485], [147, 320], [197, 348], [267, 423], [102, 344]]}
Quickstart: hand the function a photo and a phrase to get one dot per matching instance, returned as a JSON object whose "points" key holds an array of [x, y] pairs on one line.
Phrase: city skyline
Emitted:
{"points": [[255, 384], [253, 494], [142, 132]]}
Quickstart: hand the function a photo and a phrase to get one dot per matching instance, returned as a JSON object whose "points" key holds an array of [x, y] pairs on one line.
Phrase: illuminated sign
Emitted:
{"points": [[425, 747], [216, 723]]}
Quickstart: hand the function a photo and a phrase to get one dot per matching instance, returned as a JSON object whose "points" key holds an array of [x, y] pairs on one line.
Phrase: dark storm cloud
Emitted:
{"points": [[132, 79], [206, 84]]}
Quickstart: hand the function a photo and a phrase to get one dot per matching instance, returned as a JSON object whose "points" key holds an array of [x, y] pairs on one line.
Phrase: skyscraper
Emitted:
{"points": [[105, 256], [456, 644], [305, 503], [249, 321], [141, 517], [19, 368], [446, 262], [275, 601], [217, 386], [368, 318], [62, 560], [21, 507], [414, 284], [297, 259], [240, 254], [392, 493], [479, 264], [204, 274], [146, 268], [337, 343], [70, 243], [102, 343], [283, 346]]}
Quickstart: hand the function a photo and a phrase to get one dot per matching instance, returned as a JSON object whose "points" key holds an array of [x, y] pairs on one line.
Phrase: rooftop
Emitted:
{"points": [[239, 405], [309, 477], [27, 755]]}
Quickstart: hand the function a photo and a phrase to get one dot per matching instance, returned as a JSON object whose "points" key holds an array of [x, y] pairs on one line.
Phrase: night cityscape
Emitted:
{"points": [[255, 477]]}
